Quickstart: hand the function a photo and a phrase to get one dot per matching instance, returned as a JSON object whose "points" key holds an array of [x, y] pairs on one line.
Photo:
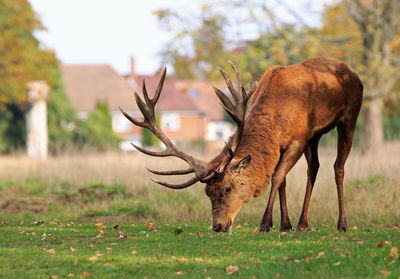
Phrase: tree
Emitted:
{"points": [[96, 131], [199, 43], [378, 22], [23, 60]]}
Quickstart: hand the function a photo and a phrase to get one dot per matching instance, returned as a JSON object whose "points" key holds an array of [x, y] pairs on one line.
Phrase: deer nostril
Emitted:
{"points": [[217, 228]]}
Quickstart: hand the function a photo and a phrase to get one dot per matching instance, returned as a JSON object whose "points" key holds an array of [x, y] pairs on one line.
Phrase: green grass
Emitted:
{"points": [[193, 250]]}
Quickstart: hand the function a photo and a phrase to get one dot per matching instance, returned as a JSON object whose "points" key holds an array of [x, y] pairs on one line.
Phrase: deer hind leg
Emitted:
{"points": [[345, 138], [311, 154], [287, 161], [285, 221]]}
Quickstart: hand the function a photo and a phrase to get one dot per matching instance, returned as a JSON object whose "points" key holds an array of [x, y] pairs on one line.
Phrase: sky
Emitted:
{"points": [[108, 31]]}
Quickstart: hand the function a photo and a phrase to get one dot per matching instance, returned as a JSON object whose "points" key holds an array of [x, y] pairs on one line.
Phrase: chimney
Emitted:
{"points": [[133, 73]]}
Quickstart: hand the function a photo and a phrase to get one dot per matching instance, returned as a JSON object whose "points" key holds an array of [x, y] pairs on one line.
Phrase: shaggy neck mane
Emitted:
{"points": [[259, 141]]}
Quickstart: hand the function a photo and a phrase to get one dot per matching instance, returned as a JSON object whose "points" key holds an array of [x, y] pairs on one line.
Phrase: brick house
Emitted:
{"points": [[180, 117]]}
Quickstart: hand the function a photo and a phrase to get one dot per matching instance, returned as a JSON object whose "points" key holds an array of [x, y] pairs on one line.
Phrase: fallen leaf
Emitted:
{"points": [[134, 252], [72, 249], [112, 244], [99, 224], [385, 272], [86, 274], [108, 249], [231, 269], [182, 259], [178, 273], [308, 260], [285, 258], [379, 244], [394, 253], [51, 251], [360, 242], [71, 275], [297, 261], [93, 259], [336, 264], [53, 276], [355, 228], [321, 254]]}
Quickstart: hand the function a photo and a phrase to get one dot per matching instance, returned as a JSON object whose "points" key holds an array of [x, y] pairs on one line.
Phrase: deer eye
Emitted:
{"points": [[227, 190]]}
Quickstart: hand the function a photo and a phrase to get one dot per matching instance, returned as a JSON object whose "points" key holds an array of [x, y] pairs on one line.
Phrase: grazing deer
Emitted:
{"points": [[292, 107]]}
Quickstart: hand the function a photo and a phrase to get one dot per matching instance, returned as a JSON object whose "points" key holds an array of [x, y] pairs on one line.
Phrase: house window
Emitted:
{"points": [[170, 121], [120, 123], [193, 93], [219, 131]]}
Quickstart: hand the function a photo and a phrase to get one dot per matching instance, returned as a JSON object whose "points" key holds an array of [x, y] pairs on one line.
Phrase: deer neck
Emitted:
{"points": [[261, 142]]}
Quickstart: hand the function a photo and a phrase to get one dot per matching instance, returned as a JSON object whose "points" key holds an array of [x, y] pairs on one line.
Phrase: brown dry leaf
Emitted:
{"points": [[182, 259], [379, 244], [99, 224], [51, 251], [336, 264], [71, 275], [394, 253], [321, 254], [360, 242], [112, 244], [308, 260], [86, 274], [178, 273], [72, 249], [109, 264], [385, 272], [108, 249], [297, 261], [134, 252], [53, 276], [231, 269], [388, 242], [93, 259], [285, 258]]}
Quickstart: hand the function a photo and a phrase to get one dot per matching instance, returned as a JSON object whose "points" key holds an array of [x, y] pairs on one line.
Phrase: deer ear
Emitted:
{"points": [[240, 165]]}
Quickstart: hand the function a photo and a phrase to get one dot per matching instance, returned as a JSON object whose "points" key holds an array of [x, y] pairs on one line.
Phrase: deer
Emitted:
{"points": [[290, 108]]}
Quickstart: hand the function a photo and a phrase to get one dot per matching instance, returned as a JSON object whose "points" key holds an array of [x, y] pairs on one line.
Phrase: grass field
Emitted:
{"points": [[168, 232]]}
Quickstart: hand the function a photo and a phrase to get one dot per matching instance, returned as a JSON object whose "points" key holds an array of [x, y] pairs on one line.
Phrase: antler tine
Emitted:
{"points": [[229, 84], [176, 172], [238, 80], [164, 153], [145, 95], [253, 87], [177, 186], [159, 87], [133, 120]]}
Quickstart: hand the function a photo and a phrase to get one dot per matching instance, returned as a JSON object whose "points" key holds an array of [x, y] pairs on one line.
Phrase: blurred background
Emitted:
{"points": [[90, 57]]}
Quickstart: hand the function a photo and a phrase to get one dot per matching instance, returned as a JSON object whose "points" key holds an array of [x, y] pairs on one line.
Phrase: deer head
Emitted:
{"points": [[224, 177]]}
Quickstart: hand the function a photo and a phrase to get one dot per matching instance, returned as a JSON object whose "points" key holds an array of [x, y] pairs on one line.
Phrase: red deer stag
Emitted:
{"points": [[292, 107]]}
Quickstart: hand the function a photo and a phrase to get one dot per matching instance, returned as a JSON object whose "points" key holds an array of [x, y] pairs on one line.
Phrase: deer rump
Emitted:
{"points": [[292, 107]]}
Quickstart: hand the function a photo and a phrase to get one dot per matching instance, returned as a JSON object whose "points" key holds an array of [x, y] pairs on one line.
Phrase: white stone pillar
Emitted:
{"points": [[37, 138]]}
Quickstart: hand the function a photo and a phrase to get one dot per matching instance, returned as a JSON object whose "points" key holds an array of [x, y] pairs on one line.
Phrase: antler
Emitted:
{"points": [[148, 110], [236, 111]]}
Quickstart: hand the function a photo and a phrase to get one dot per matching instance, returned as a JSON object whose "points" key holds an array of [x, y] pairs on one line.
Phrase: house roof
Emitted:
{"points": [[86, 84], [206, 98], [171, 99]]}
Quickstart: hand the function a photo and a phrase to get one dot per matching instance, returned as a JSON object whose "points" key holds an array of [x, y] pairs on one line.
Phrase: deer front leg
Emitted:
{"points": [[287, 161], [285, 221]]}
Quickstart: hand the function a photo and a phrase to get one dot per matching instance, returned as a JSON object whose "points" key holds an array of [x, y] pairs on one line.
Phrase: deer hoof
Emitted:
{"points": [[285, 227]]}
